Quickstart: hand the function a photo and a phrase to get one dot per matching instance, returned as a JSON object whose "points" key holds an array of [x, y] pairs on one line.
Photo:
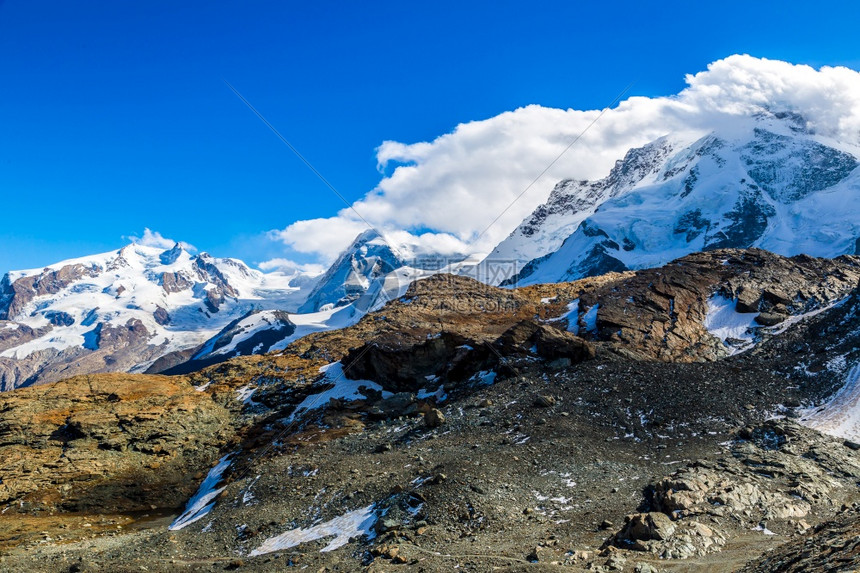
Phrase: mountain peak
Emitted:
{"points": [[763, 182]]}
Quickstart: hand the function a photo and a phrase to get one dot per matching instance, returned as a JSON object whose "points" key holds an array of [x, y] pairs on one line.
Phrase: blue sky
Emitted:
{"points": [[114, 115]]}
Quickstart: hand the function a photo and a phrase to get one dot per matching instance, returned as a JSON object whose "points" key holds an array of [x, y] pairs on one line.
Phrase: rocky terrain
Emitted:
{"points": [[658, 420]]}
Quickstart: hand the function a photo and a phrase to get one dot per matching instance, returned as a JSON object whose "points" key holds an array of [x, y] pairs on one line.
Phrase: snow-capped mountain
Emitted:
{"points": [[372, 271], [766, 181], [369, 258], [125, 309], [572, 201]]}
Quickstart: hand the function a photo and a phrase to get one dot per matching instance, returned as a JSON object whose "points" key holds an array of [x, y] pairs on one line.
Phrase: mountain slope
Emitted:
{"points": [[122, 310], [573, 201], [428, 432], [767, 181]]}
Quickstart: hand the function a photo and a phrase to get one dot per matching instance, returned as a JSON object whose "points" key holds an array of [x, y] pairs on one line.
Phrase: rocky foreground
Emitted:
{"points": [[608, 424]]}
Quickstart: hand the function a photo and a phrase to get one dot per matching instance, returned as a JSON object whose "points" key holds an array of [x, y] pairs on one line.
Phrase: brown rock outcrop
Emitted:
{"points": [[107, 443], [660, 313]]}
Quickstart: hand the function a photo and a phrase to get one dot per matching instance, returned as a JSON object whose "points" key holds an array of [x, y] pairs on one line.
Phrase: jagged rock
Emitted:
{"points": [[661, 312], [393, 406], [161, 316], [654, 532], [59, 318], [400, 366], [647, 527], [549, 342]]}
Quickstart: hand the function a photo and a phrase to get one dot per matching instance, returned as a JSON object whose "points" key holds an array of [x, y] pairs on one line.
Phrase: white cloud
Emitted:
{"points": [[289, 267], [156, 240], [456, 185]]}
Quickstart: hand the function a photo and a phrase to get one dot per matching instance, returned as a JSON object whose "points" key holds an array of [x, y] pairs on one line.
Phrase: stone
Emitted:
{"points": [[648, 526], [434, 418], [748, 300], [770, 319]]}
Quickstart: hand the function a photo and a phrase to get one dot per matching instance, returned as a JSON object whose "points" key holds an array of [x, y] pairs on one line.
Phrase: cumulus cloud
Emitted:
{"points": [[156, 240], [456, 185]]}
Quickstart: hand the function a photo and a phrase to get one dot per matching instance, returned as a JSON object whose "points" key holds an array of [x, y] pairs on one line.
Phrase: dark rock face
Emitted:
{"points": [[692, 224], [548, 342], [175, 282], [599, 261], [400, 367], [21, 333], [58, 318], [748, 222], [134, 332], [213, 300], [206, 268], [15, 296], [161, 316], [810, 166]]}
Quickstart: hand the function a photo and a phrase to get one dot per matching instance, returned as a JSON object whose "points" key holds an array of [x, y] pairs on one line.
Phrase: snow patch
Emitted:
{"points": [[724, 321], [342, 389], [485, 377], [343, 528], [245, 393], [590, 318], [439, 394], [204, 500], [572, 316], [840, 416]]}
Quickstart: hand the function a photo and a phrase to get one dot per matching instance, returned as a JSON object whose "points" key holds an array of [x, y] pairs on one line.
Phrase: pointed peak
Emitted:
{"points": [[169, 256]]}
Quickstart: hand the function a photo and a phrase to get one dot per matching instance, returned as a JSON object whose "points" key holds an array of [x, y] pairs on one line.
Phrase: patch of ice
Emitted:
{"points": [[204, 500], [439, 394], [343, 389], [590, 318], [840, 416], [485, 377], [724, 321], [763, 529], [572, 316], [353, 524], [244, 393]]}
